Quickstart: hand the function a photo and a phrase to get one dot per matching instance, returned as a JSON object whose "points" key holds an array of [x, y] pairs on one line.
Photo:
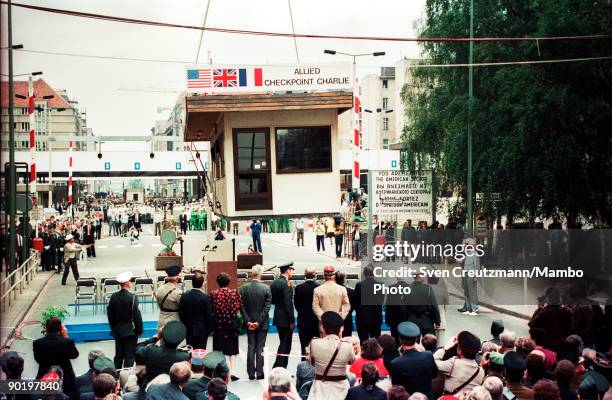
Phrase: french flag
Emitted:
{"points": [[252, 76]]}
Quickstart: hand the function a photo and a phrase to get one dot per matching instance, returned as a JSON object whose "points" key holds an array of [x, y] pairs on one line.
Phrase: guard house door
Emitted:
{"points": [[252, 180]]}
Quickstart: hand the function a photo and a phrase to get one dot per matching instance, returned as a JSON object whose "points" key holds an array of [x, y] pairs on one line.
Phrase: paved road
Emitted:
{"points": [[115, 255]]}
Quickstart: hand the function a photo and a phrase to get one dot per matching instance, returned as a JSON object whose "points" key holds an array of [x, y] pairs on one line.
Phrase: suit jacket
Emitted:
{"points": [[85, 379], [303, 305], [396, 310], [422, 306], [282, 298], [159, 359], [124, 315], [54, 349], [256, 303], [167, 391], [195, 312], [367, 314], [183, 219], [414, 370]]}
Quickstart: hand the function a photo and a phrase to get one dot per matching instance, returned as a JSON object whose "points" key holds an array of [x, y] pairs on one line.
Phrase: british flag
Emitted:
{"points": [[225, 77]]}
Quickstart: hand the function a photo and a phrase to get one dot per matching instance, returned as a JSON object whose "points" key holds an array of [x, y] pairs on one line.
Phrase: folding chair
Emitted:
{"points": [[144, 288], [187, 279], [86, 289], [109, 286], [242, 276], [268, 277]]}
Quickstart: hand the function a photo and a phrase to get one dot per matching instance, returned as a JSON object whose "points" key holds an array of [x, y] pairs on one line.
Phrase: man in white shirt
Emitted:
{"points": [[299, 227], [71, 252]]}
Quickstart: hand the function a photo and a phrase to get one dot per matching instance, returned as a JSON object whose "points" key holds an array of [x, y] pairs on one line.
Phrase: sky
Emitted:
{"points": [[120, 96]]}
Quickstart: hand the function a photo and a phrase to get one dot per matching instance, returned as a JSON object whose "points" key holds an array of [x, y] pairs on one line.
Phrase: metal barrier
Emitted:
{"points": [[17, 280]]}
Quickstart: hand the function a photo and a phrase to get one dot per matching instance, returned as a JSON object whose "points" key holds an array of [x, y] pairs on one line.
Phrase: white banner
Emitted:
{"points": [[398, 195], [219, 79]]}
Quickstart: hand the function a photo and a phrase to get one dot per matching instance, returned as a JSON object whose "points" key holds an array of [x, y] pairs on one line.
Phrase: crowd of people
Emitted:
{"points": [[566, 356]]}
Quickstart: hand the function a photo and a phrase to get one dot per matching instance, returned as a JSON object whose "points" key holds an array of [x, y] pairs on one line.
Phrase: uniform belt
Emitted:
{"points": [[330, 378], [167, 310]]}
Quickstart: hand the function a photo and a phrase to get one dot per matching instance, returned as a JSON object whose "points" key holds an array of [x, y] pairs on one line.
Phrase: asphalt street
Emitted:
{"points": [[116, 254]]}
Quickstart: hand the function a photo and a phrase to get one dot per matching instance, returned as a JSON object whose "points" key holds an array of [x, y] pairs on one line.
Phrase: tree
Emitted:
{"points": [[541, 132]]}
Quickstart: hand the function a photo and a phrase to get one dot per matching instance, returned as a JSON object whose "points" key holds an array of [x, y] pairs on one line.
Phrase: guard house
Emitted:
{"points": [[271, 153]]}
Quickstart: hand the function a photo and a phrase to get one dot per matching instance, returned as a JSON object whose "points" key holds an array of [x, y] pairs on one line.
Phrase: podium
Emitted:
{"points": [[214, 268], [247, 260]]}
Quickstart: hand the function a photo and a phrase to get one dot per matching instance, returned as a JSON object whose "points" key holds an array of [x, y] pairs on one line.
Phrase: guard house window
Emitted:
{"points": [[385, 105], [305, 149], [252, 178], [385, 124], [385, 84]]}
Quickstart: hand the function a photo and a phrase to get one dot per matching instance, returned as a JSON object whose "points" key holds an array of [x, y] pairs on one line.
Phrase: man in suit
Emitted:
{"points": [[282, 298], [158, 359], [183, 222], [308, 323], [256, 302], [125, 321], [87, 378], [55, 348], [413, 369], [89, 237], [396, 310], [422, 306], [180, 373], [348, 320], [368, 318], [196, 314], [256, 234]]}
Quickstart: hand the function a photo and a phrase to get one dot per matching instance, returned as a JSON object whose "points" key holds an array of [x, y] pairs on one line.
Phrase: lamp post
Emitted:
{"points": [[470, 194], [47, 111], [12, 178], [378, 111], [355, 182]]}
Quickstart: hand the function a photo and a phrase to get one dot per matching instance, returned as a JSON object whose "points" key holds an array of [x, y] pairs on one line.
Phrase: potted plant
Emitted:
{"points": [[53, 311]]}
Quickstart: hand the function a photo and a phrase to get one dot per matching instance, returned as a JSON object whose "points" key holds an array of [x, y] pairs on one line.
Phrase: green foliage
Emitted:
{"points": [[53, 311], [541, 133]]}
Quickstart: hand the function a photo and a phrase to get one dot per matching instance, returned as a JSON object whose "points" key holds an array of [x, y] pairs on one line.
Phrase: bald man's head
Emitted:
{"points": [[310, 273]]}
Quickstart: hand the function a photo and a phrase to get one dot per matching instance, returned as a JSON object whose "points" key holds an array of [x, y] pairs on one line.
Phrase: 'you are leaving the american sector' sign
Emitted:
{"points": [[399, 195], [267, 78]]}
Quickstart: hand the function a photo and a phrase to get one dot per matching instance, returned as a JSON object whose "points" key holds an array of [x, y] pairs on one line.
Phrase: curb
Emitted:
{"points": [[497, 308]]}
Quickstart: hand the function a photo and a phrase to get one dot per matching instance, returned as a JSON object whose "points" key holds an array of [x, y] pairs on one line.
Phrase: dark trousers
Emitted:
{"points": [[338, 240], [256, 341], [306, 334], [71, 264], [367, 331], [356, 249], [284, 347], [196, 342], [45, 260], [124, 351], [184, 228], [300, 237], [320, 242], [91, 250], [257, 244]]}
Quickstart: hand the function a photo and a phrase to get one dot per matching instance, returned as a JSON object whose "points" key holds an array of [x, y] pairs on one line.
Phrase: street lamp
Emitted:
{"points": [[355, 183], [378, 111]]}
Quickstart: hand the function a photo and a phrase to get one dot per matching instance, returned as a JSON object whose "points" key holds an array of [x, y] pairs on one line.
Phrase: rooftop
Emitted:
{"points": [[41, 88]]}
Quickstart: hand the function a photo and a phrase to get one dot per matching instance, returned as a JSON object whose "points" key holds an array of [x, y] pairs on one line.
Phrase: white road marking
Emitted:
{"points": [[119, 246], [138, 245], [157, 245], [103, 247]]}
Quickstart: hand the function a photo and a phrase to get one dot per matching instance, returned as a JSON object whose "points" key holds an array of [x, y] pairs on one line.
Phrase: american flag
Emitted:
{"points": [[225, 77], [199, 78]]}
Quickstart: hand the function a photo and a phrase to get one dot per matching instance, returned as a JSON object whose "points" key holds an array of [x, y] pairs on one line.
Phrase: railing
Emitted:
{"points": [[16, 281]]}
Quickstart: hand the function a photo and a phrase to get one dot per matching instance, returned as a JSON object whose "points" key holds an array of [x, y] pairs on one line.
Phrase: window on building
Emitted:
{"points": [[253, 189], [306, 149], [385, 124], [25, 126], [385, 144], [24, 110], [385, 84], [25, 144], [385, 105]]}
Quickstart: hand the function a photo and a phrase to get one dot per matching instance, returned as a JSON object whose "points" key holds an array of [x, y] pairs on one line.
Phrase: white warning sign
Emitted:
{"points": [[399, 195]]}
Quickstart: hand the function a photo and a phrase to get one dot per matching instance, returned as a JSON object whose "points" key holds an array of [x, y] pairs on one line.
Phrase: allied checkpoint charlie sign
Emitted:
{"points": [[224, 79], [402, 195]]}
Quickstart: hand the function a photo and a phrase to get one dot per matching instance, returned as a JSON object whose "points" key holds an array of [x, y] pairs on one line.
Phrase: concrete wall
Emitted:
{"points": [[301, 193]]}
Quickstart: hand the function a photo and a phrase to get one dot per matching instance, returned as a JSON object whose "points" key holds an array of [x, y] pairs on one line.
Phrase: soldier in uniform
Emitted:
{"points": [[45, 258], [422, 306], [330, 356], [168, 297], [284, 319], [413, 369], [159, 359], [330, 297], [460, 371], [125, 321]]}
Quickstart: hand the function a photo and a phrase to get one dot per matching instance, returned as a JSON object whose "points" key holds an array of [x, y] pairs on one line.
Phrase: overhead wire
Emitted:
{"points": [[302, 35], [197, 57]]}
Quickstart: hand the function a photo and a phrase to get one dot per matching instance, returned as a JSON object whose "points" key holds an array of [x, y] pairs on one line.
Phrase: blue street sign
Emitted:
{"points": [[137, 165], [107, 166], [178, 165], [393, 163]]}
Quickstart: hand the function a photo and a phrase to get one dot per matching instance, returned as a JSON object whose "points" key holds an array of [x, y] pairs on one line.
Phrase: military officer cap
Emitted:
{"points": [[468, 341], [514, 361], [329, 270], [408, 329], [497, 325], [174, 332], [496, 358], [174, 270], [197, 362], [124, 277], [213, 358], [332, 320], [285, 267], [593, 379], [101, 363]]}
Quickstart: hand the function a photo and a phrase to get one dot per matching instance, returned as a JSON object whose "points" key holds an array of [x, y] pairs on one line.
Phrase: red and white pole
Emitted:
{"points": [[32, 119], [70, 174], [356, 179]]}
